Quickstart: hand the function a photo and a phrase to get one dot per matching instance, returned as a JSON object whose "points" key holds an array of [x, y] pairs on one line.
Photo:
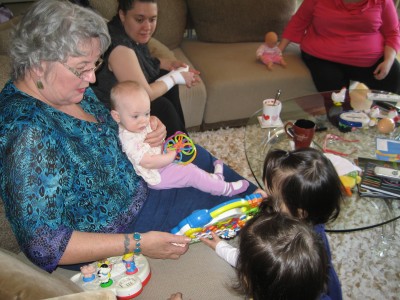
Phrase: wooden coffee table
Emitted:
{"points": [[357, 213]]}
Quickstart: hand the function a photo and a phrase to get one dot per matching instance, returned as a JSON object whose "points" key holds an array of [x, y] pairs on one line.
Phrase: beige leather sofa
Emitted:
{"points": [[226, 35]]}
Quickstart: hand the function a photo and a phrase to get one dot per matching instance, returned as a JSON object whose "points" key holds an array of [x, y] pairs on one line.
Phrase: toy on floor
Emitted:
{"points": [[269, 53], [124, 275], [184, 147], [225, 219]]}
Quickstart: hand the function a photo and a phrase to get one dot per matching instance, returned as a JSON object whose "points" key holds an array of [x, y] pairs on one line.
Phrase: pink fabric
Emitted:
{"points": [[178, 176], [353, 34], [268, 54], [172, 176]]}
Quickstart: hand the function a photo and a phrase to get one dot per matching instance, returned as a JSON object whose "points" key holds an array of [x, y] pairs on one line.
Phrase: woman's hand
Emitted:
{"points": [[384, 67], [156, 244], [213, 242], [159, 132], [382, 70], [191, 76]]}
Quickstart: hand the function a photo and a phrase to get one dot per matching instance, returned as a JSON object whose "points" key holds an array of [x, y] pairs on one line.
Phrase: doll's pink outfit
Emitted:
{"points": [[268, 54], [174, 175]]}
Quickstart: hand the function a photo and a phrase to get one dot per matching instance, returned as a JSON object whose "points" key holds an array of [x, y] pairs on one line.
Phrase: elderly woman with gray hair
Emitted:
{"points": [[70, 193]]}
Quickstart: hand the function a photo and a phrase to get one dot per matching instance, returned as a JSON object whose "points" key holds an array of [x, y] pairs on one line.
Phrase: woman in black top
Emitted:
{"points": [[129, 58]]}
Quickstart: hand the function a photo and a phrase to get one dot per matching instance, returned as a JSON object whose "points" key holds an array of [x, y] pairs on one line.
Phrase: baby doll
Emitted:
{"points": [[269, 53]]}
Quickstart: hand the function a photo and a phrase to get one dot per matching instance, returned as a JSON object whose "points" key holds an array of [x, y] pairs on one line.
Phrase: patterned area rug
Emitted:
{"points": [[364, 273]]}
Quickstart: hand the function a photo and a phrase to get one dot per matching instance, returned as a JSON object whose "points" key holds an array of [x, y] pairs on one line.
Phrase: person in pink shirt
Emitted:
{"points": [[344, 40]]}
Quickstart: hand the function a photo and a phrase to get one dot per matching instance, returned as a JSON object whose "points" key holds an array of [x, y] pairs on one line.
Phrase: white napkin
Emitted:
{"points": [[342, 165]]}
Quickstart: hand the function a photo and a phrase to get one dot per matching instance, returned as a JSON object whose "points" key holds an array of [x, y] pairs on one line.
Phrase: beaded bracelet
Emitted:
{"points": [[137, 237]]}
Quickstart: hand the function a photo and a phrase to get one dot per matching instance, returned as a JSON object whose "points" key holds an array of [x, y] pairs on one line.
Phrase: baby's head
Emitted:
{"points": [[281, 257], [304, 183], [130, 106]]}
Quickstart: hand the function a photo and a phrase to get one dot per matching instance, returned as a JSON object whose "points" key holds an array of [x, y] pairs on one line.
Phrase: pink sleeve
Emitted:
{"points": [[390, 25], [299, 22]]}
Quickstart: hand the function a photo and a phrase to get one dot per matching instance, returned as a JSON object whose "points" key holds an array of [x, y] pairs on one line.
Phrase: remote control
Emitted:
{"points": [[387, 106], [383, 97], [388, 173]]}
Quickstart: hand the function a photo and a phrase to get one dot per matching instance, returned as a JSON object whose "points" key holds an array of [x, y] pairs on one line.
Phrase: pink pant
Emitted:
{"points": [[268, 57], [179, 176]]}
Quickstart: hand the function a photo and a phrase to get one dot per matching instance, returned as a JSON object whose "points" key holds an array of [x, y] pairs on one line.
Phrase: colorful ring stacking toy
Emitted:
{"points": [[184, 147]]}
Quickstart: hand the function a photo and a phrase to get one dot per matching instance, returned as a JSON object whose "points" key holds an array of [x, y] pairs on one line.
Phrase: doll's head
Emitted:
{"points": [[271, 38]]}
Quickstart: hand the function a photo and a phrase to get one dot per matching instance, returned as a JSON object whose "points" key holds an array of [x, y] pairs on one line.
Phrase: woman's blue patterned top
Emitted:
{"points": [[59, 174]]}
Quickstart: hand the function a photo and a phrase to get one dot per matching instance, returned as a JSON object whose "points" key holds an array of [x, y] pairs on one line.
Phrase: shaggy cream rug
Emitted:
{"points": [[364, 273]]}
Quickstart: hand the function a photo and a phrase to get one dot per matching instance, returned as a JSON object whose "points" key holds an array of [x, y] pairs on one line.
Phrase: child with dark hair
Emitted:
{"points": [[304, 184], [281, 257]]}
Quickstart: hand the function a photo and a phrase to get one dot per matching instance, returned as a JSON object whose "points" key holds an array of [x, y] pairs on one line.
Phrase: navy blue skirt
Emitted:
{"points": [[164, 209]]}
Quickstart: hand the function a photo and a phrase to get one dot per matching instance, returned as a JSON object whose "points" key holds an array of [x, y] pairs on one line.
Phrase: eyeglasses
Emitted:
{"points": [[82, 74]]}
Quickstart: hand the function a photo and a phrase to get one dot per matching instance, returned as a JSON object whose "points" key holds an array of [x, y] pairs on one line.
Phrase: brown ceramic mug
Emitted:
{"points": [[302, 132]]}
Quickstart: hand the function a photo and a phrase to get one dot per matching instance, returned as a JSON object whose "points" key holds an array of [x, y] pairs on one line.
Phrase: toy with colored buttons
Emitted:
{"points": [[225, 219], [125, 275], [184, 147]]}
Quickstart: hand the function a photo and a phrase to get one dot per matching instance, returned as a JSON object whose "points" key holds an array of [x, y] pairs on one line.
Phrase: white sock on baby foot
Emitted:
{"points": [[234, 188], [219, 169]]}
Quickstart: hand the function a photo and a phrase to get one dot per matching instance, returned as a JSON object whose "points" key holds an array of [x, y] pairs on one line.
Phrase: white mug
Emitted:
{"points": [[271, 111]]}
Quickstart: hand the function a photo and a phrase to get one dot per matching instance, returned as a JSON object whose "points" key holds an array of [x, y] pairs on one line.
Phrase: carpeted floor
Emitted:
{"points": [[363, 273]]}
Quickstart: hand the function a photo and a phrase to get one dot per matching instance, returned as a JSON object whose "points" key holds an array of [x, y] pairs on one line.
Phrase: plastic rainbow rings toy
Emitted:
{"points": [[184, 147]]}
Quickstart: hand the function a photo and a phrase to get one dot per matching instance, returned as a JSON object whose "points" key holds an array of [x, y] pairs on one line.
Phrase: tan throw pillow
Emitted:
{"points": [[232, 21], [106, 8], [5, 31], [159, 50], [171, 22], [20, 281]]}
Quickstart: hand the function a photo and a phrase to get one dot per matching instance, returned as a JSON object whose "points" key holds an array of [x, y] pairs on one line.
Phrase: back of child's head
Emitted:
{"points": [[281, 257], [306, 182]]}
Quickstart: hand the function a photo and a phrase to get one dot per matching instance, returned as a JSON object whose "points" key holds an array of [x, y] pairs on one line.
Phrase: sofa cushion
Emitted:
{"points": [[159, 50], [237, 83], [229, 21], [5, 31], [21, 281], [4, 41], [107, 8], [171, 22]]}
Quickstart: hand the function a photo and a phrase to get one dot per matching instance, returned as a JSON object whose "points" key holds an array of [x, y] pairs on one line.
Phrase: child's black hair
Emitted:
{"points": [[306, 182], [281, 257]]}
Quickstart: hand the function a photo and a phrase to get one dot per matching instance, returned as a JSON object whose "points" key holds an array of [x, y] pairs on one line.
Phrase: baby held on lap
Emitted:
{"points": [[130, 105]]}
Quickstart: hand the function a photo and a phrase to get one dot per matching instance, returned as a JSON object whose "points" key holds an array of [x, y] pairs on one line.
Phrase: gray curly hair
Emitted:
{"points": [[53, 30]]}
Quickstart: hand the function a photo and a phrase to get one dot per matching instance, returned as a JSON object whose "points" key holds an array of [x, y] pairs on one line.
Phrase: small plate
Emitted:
{"points": [[278, 123]]}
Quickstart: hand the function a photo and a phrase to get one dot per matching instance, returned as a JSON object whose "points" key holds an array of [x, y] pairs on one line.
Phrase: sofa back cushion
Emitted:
{"points": [[22, 281], [107, 8], [232, 21], [171, 22]]}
